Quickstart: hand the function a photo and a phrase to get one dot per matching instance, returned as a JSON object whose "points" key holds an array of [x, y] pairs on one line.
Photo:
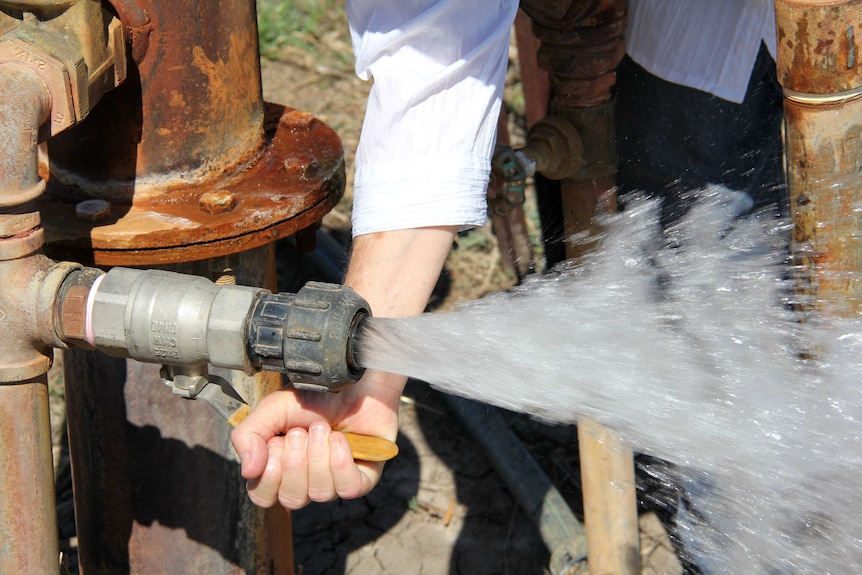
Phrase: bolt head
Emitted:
{"points": [[217, 202], [93, 210], [298, 120]]}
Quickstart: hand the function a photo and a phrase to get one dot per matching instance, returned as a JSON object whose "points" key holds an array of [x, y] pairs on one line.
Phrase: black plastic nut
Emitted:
{"points": [[308, 335]]}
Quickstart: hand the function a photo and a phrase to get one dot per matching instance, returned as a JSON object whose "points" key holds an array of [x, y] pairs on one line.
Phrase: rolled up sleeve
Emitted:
{"points": [[430, 126]]}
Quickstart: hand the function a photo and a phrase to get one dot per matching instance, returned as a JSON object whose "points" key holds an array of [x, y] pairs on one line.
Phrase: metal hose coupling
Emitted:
{"points": [[185, 322]]}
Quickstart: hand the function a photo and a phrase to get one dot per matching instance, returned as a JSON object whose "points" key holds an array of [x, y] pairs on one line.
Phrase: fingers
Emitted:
{"points": [[309, 465], [311, 469], [321, 485], [263, 489], [250, 438], [293, 489], [350, 480]]}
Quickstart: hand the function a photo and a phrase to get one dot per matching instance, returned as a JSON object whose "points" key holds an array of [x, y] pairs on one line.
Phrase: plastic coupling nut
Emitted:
{"points": [[308, 335]]}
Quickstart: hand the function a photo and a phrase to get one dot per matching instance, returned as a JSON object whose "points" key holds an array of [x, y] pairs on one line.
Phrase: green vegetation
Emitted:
{"points": [[310, 26]]}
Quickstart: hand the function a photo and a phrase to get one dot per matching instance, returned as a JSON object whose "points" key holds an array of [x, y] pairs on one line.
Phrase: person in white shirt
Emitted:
{"points": [[421, 171], [698, 101]]}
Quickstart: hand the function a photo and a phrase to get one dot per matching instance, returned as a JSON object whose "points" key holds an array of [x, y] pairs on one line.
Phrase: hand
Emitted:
{"points": [[291, 455], [288, 449]]}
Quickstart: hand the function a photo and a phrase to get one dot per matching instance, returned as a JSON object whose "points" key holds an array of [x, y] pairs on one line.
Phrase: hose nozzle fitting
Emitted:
{"points": [[308, 335]]}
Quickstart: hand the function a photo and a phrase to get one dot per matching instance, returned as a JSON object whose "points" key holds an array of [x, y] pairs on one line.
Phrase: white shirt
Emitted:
{"points": [[439, 68], [710, 45]]}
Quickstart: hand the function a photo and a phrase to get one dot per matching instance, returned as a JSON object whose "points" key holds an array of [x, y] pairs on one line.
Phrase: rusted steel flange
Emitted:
{"points": [[298, 178]]}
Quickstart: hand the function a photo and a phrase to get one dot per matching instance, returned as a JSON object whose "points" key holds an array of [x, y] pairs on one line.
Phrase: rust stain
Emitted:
{"points": [[817, 46], [177, 100], [296, 181], [228, 84]]}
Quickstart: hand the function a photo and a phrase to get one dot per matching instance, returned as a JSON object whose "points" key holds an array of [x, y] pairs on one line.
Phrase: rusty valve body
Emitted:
{"points": [[75, 46]]}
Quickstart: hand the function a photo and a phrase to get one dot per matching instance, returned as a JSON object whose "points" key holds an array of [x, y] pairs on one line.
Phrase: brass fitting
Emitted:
{"points": [[75, 46], [556, 147], [30, 286]]}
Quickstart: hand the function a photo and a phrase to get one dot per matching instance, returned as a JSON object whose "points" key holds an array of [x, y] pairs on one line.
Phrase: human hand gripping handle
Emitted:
{"points": [[289, 452], [291, 455]]}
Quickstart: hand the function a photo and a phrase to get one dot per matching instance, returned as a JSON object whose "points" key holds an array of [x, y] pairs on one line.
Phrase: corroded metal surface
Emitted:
{"points": [[818, 45], [189, 111], [192, 162], [536, 86], [25, 105], [157, 484], [75, 46], [28, 533], [824, 177], [28, 522], [298, 179], [819, 70], [581, 49]]}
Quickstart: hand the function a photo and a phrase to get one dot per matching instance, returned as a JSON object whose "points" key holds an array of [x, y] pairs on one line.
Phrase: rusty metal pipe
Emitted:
{"points": [[27, 516], [24, 106], [819, 70], [581, 46]]}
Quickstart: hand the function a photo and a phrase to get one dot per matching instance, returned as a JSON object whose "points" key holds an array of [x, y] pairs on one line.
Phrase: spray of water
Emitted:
{"points": [[682, 340]]}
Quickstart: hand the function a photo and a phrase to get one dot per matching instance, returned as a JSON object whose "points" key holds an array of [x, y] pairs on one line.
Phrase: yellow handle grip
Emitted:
{"points": [[370, 448], [364, 447]]}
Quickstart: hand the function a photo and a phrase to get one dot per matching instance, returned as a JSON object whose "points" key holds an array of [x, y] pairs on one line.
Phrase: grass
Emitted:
{"points": [[313, 35], [315, 27]]}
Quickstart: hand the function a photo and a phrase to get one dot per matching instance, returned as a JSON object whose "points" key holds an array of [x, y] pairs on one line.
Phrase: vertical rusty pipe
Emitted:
{"points": [[819, 69], [24, 102], [581, 46], [28, 522], [28, 519], [190, 110]]}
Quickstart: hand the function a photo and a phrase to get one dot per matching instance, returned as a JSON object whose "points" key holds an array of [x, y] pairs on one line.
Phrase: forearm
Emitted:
{"points": [[395, 272]]}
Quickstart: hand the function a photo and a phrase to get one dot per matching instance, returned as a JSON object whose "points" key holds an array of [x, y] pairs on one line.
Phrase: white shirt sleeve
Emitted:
{"points": [[710, 45], [438, 67]]}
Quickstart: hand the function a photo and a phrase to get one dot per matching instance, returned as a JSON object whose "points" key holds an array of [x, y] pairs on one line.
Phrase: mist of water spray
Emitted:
{"points": [[681, 340]]}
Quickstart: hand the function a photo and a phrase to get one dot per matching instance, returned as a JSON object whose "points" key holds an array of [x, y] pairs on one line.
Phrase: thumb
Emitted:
{"points": [[252, 451], [267, 420]]}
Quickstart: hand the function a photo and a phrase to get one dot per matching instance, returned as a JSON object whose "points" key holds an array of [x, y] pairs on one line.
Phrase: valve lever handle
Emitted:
{"points": [[363, 447]]}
